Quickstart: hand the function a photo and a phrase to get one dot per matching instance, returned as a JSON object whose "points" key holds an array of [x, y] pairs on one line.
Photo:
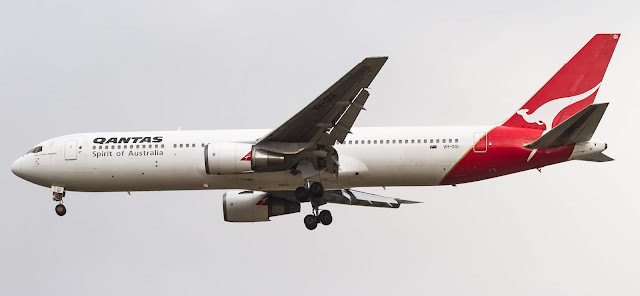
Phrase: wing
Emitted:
{"points": [[313, 122], [350, 197]]}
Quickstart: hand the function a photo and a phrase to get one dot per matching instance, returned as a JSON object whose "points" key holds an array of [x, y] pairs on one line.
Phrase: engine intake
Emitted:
{"points": [[255, 206]]}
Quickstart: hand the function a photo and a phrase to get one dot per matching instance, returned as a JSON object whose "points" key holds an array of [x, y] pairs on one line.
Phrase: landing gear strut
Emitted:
{"points": [[58, 194]]}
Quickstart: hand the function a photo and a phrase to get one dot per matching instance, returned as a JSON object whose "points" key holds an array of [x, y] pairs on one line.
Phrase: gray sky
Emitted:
{"points": [[76, 66]]}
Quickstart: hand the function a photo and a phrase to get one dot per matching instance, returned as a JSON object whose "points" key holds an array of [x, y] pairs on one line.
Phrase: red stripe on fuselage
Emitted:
{"points": [[504, 155]]}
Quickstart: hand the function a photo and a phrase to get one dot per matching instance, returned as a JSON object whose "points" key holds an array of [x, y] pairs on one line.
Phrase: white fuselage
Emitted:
{"points": [[384, 156]]}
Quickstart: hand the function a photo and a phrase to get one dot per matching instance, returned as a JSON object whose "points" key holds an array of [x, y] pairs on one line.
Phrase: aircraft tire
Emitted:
{"points": [[325, 217], [61, 210], [302, 194], [310, 222], [316, 189]]}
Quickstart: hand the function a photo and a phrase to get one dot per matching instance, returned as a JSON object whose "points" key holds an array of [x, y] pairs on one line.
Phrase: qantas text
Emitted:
{"points": [[128, 140]]}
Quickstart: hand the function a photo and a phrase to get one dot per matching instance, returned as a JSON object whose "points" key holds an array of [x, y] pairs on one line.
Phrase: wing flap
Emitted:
{"points": [[343, 126]]}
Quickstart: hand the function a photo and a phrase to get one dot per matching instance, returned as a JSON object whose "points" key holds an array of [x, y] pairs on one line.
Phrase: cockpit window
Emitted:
{"points": [[35, 150]]}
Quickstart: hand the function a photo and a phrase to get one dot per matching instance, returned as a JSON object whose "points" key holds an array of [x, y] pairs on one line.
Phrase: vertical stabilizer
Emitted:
{"points": [[571, 89]]}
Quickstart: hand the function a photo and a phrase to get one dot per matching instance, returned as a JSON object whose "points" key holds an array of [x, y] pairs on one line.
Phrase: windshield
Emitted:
{"points": [[35, 150]]}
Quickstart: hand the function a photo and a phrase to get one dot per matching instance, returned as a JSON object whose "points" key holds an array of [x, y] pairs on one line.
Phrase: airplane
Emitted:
{"points": [[317, 156]]}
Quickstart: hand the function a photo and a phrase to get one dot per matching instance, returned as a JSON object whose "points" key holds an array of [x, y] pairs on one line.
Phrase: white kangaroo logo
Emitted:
{"points": [[545, 114]]}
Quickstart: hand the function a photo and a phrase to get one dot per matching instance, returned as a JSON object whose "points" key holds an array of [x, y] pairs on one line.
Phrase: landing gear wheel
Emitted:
{"points": [[325, 217], [310, 222], [61, 210], [316, 189], [302, 194]]}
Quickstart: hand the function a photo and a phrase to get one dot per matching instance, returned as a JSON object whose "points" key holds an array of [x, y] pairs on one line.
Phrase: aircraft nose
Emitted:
{"points": [[16, 167]]}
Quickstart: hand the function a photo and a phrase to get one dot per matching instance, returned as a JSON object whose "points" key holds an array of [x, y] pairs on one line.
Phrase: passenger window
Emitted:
{"points": [[144, 146], [356, 141], [431, 141], [161, 145], [125, 146], [413, 141], [406, 141], [180, 145], [203, 145], [368, 141], [349, 142], [418, 141], [94, 147], [119, 147], [449, 141], [425, 141], [137, 146], [437, 140], [106, 147], [387, 141], [375, 141], [456, 140], [99, 147]]}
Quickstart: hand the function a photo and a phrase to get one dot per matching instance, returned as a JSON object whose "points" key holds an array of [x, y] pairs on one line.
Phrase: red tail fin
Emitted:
{"points": [[572, 89]]}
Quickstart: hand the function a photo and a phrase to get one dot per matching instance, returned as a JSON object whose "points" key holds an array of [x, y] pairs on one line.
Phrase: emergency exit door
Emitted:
{"points": [[71, 149]]}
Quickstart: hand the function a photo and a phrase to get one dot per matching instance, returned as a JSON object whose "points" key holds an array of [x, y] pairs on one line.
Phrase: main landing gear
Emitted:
{"points": [[313, 192], [311, 221], [58, 194]]}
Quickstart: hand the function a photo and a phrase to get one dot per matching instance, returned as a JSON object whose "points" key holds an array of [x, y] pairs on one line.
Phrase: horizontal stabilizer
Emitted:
{"points": [[578, 128], [600, 157]]}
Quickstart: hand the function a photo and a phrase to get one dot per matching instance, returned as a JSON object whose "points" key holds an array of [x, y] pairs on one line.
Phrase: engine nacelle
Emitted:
{"points": [[255, 206], [227, 158], [238, 158]]}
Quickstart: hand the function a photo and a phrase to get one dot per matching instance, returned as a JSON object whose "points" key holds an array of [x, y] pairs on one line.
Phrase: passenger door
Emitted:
{"points": [[480, 140], [71, 150]]}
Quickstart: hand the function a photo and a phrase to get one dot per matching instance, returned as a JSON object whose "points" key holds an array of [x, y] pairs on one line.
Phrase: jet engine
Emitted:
{"points": [[227, 158], [238, 158], [255, 206]]}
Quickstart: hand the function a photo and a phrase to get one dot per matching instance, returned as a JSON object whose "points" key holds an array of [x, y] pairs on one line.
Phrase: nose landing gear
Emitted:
{"points": [[58, 194]]}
